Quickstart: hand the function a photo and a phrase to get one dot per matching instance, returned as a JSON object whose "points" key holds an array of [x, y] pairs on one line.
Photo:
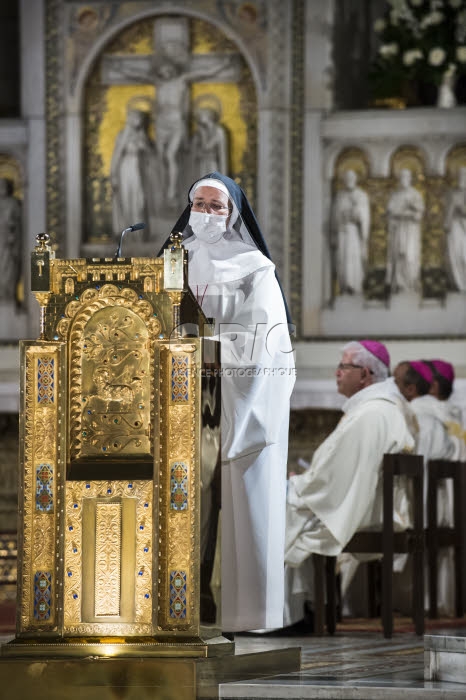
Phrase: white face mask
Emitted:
{"points": [[208, 227]]}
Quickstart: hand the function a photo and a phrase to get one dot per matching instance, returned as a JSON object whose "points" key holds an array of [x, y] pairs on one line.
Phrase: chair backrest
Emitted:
{"points": [[398, 464], [411, 466], [389, 542], [439, 469], [447, 535]]}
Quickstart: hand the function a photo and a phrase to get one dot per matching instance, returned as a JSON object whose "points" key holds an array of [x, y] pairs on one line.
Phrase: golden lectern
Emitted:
{"points": [[120, 439]]}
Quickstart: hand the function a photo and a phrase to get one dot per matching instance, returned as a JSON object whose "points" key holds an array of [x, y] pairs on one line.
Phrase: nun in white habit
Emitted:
{"points": [[234, 280]]}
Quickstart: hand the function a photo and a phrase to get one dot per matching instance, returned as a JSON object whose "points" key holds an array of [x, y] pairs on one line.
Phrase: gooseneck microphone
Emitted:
{"points": [[134, 227]]}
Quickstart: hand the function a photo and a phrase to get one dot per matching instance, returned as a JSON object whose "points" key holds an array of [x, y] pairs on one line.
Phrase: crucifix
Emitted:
{"points": [[172, 68]]}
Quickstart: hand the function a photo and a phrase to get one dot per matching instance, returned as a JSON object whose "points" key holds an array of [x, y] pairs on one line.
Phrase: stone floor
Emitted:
{"points": [[363, 665]]}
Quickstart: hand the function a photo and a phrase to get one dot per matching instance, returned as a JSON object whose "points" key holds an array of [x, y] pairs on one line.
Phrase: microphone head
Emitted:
{"points": [[137, 227]]}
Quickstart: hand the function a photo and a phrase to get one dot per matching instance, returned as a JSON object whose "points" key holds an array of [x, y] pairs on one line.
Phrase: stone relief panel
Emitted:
{"points": [[454, 219], [243, 115], [413, 172], [401, 233], [161, 89], [84, 25]]}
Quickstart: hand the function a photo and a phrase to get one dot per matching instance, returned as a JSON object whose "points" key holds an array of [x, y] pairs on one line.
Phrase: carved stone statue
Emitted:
{"points": [[455, 227], [10, 241], [350, 234], [446, 93], [131, 173], [171, 115], [404, 211], [171, 69], [209, 143]]}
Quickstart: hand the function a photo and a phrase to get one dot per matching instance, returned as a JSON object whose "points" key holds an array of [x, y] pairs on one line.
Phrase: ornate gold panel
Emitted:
{"points": [[116, 384], [110, 553], [107, 559], [40, 488], [178, 497], [88, 566], [110, 378]]}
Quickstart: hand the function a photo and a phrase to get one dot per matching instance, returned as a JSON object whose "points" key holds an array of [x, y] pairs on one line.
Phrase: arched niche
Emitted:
{"points": [[355, 159], [124, 77], [455, 158], [411, 158]]}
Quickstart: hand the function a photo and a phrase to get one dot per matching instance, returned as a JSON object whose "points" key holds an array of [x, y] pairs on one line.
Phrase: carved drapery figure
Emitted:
{"points": [[171, 112], [455, 227], [446, 94], [404, 211], [171, 115], [350, 234], [10, 241], [209, 143], [131, 172], [170, 74]]}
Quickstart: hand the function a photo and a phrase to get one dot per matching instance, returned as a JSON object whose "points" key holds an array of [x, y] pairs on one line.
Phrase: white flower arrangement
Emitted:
{"points": [[436, 56], [461, 54], [411, 56], [419, 40], [379, 25], [431, 19], [387, 50]]}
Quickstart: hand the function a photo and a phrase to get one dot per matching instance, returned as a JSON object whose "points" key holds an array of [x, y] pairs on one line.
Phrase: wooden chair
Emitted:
{"points": [[387, 542], [441, 536], [324, 577]]}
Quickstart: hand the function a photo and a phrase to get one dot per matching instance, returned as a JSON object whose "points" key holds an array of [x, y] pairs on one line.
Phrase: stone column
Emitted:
{"points": [[32, 24], [318, 99]]}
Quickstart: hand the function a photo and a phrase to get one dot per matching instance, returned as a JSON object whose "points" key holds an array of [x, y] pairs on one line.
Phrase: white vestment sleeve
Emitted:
{"points": [[341, 486], [257, 368]]}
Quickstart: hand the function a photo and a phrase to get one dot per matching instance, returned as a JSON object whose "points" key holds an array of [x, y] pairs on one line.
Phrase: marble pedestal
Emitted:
{"points": [[445, 658]]}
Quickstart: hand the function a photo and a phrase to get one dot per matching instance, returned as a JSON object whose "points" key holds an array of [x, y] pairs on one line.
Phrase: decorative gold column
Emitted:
{"points": [[42, 433], [179, 488]]}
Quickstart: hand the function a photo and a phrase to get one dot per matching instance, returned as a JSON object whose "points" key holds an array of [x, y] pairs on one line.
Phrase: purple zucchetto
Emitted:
{"points": [[445, 369], [377, 349], [423, 370]]}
